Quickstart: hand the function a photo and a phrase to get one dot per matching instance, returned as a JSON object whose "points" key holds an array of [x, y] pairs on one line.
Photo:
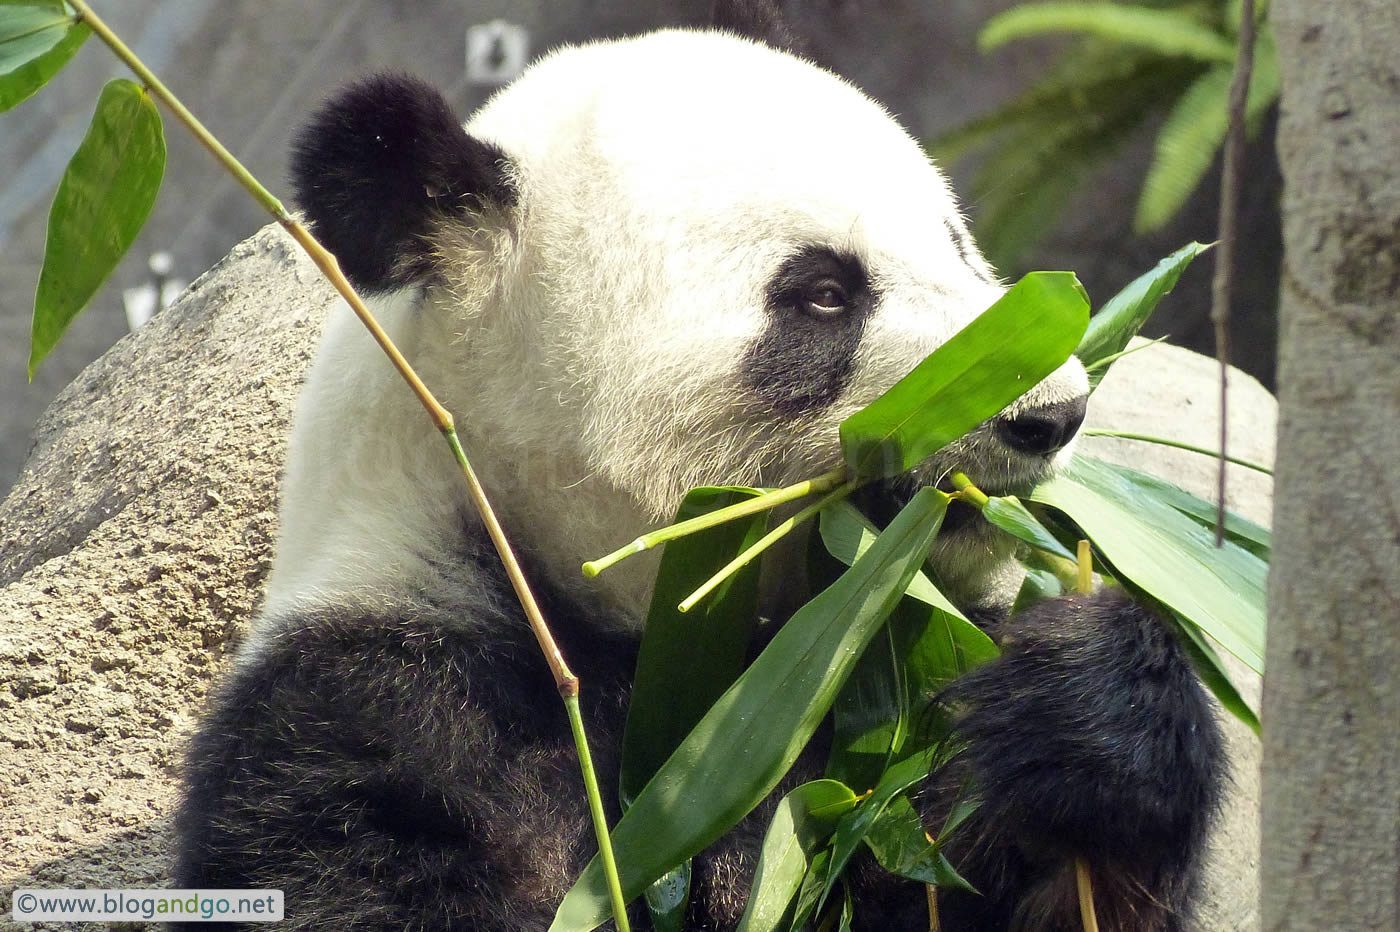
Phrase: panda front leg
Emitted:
{"points": [[1089, 738]]}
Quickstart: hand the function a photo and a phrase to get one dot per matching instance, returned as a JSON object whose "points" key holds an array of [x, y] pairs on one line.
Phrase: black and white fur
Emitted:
{"points": [[649, 264]]}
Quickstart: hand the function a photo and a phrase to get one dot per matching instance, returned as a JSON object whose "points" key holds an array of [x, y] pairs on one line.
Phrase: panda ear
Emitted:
{"points": [[379, 165], [759, 20]]}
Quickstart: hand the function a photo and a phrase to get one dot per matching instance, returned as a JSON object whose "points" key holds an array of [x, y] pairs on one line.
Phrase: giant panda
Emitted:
{"points": [[648, 264]]}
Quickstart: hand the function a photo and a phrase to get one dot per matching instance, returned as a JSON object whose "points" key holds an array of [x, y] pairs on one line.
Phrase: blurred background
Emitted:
{"points": [[252, 69]]}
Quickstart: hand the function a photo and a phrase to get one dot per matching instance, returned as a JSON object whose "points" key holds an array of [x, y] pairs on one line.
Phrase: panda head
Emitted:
{"points": [[648, 264]]}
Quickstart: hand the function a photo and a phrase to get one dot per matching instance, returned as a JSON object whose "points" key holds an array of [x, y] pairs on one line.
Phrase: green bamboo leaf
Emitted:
{"points": [[667, 899], [1007, 513], [1166, 554], [870, 715], [1037, 586], [36, 40], [102, 202], [950, 645], [687, 661], [1166, 32], [1252, 537], [990, 363], [803, 821], [1119, 320], [854, 826], [812, 886], [1212, 672], [900, 846], [737, 753]]}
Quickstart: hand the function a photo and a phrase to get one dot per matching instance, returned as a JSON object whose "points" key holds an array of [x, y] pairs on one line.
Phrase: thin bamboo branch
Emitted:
{"points": [[1085, 885], [752, 506], [565, 680], [763, 543], [1231, 165], [1177, 444]]}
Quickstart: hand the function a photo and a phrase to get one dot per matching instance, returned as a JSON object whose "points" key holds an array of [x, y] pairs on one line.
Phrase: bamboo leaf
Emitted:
{"points": [[1037, 586], [1166, 554], [1164, 31], [687, 661], [1119, 320], [951, 641], [1256, 539], [1007, 513], [737, 753], [855, 825], [102, 202], [990, 363], [869, 716], [36, 40], [802, 821]]}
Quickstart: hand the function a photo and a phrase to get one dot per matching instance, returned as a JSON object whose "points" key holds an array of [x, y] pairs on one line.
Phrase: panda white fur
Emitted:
{"points": [[646, 265]]}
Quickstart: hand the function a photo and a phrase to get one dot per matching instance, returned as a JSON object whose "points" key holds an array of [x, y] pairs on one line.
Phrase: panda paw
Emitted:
{"points": [[1090, 737]]}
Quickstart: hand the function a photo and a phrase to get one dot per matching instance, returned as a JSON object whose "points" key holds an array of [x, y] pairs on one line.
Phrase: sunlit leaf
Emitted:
{"points": [[36, 40], [102, 202], [1252, 537], [803, 821], [687, 661], [1169, 555], [988, 364], [1007, 513], [1166, 32], [737, 753], [854, 826], [1119, 320], [951, 642]]}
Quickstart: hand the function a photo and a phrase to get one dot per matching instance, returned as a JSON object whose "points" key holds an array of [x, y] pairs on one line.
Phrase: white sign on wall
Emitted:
{"points": [[496, 52]]}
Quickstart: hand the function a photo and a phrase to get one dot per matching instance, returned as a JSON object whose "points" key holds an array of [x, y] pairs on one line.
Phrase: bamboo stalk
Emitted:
{"points": [[565, 681]]}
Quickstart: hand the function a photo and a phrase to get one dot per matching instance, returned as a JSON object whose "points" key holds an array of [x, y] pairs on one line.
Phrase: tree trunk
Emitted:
{"points": [[1331, 787]]}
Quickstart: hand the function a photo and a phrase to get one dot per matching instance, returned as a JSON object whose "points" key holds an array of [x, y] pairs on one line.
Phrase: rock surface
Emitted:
{"points": [[134, 545], [132, 550]]}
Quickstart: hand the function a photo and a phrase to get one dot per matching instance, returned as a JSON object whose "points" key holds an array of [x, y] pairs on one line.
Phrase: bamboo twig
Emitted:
{"points": [[1083, 882], [1087, 915], [1176, 444], [762, 544], [752, 506], [1231, 164], [565, 681]]}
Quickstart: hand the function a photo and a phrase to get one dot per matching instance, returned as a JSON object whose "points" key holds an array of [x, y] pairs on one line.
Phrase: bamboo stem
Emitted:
{"points": [[565, 680], [1085, 564], [595, 807], [752, 506], [1175, 444], [1086, 896], [762, 544], [1232, 164]]}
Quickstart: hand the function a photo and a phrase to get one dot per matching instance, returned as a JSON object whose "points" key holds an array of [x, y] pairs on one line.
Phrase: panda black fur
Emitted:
{"points": [[649, 264]]}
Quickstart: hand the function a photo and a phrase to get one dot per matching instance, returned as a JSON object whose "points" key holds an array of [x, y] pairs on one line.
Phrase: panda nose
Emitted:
{"points": [[1043, 430]]}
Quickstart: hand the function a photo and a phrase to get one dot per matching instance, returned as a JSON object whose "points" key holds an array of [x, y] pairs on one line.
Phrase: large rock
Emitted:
{"points": [[133, 548], [132, 551]]}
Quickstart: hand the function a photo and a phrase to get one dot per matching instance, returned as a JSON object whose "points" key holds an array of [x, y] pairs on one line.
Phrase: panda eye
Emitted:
{"points": [[828, 299]]}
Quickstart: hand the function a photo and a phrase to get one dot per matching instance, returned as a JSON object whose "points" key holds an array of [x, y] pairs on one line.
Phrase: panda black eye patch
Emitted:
{"points": [[817, 303]]}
